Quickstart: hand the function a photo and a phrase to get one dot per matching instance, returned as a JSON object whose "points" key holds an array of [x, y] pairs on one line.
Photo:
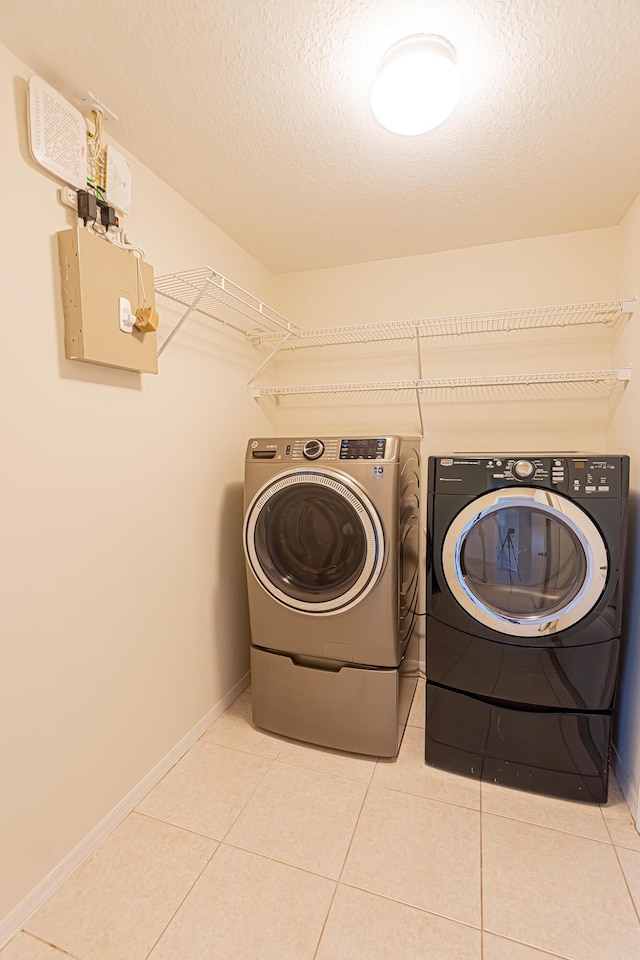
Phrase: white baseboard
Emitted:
{"points": [[628, 788], [14, 921]]}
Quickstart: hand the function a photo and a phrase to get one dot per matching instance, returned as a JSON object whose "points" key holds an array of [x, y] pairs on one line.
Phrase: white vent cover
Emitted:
{"points": [[118, 180], [57, 134]]}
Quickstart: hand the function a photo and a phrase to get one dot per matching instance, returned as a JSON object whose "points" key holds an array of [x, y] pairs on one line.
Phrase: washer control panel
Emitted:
{"points": [[320, 449], [588, 475]]}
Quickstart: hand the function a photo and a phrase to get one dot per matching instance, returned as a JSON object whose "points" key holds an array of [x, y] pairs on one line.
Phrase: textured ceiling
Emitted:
{"points": [[257, 111]]}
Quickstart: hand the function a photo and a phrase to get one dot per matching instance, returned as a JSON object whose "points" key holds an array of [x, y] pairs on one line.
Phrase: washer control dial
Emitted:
{"points": [[313, 449], [523, 469]]}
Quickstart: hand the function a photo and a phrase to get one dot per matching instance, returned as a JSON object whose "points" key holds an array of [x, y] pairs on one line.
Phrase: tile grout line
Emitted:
{"points": [[521, 943], [623, 846], [291, 763], [326, 773], [622, 871], [282, 863], [481, 883], [613, 842], [412, 906], [422, 796], [178, 826], [355, 827], [364, 799], [211, 839], [545, 826], [225, 746], [324, 922], [60, 950], [250, 797], [175, 912]]}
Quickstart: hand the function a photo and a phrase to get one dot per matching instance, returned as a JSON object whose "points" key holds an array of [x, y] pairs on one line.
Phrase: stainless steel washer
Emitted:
{"points": [[331, 538]]}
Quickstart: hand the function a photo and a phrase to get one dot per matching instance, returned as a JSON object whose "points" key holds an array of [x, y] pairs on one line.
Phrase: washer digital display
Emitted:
{"points": [[363, 449]]}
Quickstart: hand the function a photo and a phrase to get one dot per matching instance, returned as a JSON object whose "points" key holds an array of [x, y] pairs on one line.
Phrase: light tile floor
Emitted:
{"points": [[256, 847]]}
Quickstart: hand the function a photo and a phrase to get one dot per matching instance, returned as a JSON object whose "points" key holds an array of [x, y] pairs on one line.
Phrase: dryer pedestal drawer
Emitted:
{"points": [[560, 753], [333, 705], [567, 678]]}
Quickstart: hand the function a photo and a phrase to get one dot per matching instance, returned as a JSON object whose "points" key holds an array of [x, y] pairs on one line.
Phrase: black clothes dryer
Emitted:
{"points": [[524, 592]]}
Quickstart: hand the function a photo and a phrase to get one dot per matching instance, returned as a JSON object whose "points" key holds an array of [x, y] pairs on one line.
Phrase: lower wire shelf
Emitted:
{"points": [[597, 384]]}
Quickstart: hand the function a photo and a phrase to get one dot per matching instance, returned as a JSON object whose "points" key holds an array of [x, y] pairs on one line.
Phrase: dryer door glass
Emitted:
{"points": [[520, 561], [525, 561], [310, 542], [314, 541]]}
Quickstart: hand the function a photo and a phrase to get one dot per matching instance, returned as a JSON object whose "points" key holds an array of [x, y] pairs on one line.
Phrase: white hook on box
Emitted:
{"points": [[127, 318]]}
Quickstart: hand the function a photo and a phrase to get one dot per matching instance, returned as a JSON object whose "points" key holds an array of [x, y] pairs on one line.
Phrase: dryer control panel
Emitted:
{"points": [[577, 475]]}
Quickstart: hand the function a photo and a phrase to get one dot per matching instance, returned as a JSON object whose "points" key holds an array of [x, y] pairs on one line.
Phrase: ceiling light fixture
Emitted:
{"points": [[417, 85]]}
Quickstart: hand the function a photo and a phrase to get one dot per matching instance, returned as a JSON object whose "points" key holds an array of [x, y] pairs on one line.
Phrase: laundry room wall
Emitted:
{"points": [[124, 608], [624, 437]]}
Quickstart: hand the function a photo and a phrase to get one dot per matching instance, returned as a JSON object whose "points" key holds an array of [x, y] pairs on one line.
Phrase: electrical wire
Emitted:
{"points": [[131, 247], [138, 252], [96, 153], [141, 279]]}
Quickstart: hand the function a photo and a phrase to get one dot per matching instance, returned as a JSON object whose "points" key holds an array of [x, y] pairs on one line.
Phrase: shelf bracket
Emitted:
{"points": [[418, 400], [185, 316], [629, 306], [269, 358]]}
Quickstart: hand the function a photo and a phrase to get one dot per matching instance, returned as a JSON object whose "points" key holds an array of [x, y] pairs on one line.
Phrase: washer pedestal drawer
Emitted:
{"points": [[330, 703], [560, 753]]}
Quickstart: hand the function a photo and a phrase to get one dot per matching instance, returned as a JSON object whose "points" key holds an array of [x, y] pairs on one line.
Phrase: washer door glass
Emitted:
{"points": [[310, 542], [525, 561], [314, 542]]}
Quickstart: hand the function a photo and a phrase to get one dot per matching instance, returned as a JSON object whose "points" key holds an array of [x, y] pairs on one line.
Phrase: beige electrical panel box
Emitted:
{"points": [[95, 276]]}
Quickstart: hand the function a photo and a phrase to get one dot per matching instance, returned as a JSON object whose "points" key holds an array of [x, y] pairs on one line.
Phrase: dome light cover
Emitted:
{"points": [[417, 85]]}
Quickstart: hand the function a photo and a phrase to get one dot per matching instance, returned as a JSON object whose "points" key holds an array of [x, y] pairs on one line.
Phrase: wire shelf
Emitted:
{"points": [[603, 380], [214, 295], [605, 313], [217, 297]]}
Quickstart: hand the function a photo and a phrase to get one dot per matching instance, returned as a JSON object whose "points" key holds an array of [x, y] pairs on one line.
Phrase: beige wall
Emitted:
{"points": [[123, 598], [624, 437], [567, 268]]}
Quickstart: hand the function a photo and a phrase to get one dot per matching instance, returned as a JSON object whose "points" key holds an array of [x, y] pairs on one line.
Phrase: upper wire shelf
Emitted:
{"points": [[217, 297], [606, 312], [208, 292]]}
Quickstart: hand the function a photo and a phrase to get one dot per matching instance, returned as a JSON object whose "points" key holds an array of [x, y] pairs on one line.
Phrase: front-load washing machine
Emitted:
{"points": [[524, 594], [332, 539]]}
